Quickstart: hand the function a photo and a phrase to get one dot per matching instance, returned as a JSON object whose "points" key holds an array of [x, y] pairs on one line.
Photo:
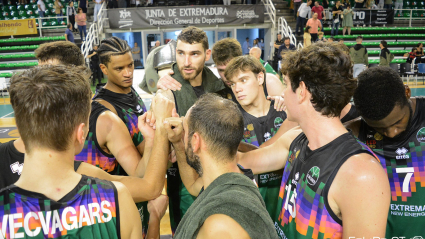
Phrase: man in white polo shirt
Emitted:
{"points": [[41, 9], [97, 5], [303, 12]]}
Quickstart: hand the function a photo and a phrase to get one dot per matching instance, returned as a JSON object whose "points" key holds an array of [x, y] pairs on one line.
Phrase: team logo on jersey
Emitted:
{"points": [[378, 136], [267, 136], [247, 134], [250, 127], [278, 122], [417, 237], [229, 96], [402, 153], [313, 175], [16, 167], [420, 136], [172, 171]]}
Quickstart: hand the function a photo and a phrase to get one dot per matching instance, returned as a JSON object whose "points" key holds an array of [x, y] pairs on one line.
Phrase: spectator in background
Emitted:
{"points": [[83, 5], [398, 6], [157, 44], [226, 2], [81, 19], [136, 55], [336, 13], [303, 12], [359, 56], [370, 4], [70, 12], [388, 4], [331, 39], [385, 57], [279, 41], [246, 47], [58, 11], [325, 4], [97, 5], [297, 4], [307, 36], [262, 47], [315, 25], [411, 55], [69, 36], [319, 10], [112, 4], [256, 43], [341, 41], [347, 21], [321, 37], [358, 4], [256, 53], [286, 46], [41, 9], [420, 53], [94, 66], [381, 4]]}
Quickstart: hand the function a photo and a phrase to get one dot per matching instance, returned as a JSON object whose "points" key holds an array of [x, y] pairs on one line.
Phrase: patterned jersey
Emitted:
{"points": [[92, 153], [304, 210], [128, 107], [403, 160], [90, 210], [256, 132]]}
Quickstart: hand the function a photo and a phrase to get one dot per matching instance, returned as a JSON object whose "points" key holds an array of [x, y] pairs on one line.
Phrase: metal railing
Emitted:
{"points": [[411, 18], [286, 31], [95, 29], [271, 12]]}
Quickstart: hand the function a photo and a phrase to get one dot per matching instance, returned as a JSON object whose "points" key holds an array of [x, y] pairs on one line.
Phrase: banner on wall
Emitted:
{"points": [[373, 17], [18, 27], [155, 17]]}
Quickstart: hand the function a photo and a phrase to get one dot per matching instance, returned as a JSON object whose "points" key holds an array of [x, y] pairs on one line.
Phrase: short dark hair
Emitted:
{"points": [[193, 35], [332, 38], [379, 90], [78, 9], [307, 28], [67, 53], [419, 44], [244, 64], [414, 48], [69, 25], [384, 43], [49, 101], [113, 46], [225, 50], [327, 72], [286, 38], [220, 123], [359, 37]]}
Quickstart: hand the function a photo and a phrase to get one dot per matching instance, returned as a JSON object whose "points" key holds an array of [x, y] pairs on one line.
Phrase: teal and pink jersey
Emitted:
{"points": [[90, 210], [303, 208]]}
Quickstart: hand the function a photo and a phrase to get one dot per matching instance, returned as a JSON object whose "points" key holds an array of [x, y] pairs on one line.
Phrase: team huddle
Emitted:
{"points": [[245, 155]]}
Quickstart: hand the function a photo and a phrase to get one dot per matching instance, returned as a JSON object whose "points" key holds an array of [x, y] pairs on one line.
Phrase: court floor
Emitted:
{"points": [[8, 130]]}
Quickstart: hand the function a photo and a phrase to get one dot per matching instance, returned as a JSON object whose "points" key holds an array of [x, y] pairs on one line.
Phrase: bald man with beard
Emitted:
{"points": [[256, 53]]}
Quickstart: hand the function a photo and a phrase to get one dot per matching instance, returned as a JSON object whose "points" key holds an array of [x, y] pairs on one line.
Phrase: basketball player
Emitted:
{"points": [[330, 181], [59, 52], [54, 194], [229, 204], [393, 125]]}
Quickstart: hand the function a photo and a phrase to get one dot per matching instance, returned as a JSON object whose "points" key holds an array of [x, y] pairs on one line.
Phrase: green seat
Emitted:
{"points": [[3, 65], [7, 56], [12, 8]]}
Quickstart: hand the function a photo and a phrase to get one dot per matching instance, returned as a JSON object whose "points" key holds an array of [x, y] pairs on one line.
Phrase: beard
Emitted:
{"points": [[193, 160], [192, 75]]}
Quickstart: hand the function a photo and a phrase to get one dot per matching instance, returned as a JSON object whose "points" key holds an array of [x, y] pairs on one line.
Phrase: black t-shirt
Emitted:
{"points": [[199, 90], [337, 9], [277, 42], [94, 58], [12, 162], [325, 4]]}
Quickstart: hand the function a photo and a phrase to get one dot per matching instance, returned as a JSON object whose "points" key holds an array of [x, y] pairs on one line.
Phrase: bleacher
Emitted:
{"points": [[14, 12]]}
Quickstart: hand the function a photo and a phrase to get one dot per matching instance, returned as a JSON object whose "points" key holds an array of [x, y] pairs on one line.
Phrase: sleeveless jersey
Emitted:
{"points": [[90, 210], [352, 114], [256, 132], [92, 153], [128, 107], [403, 160], [304, 210]]}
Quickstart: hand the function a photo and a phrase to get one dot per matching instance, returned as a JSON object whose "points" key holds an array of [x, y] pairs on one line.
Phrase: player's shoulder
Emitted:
{"points": [[107, 119], [220, 225], [107, 105]]}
